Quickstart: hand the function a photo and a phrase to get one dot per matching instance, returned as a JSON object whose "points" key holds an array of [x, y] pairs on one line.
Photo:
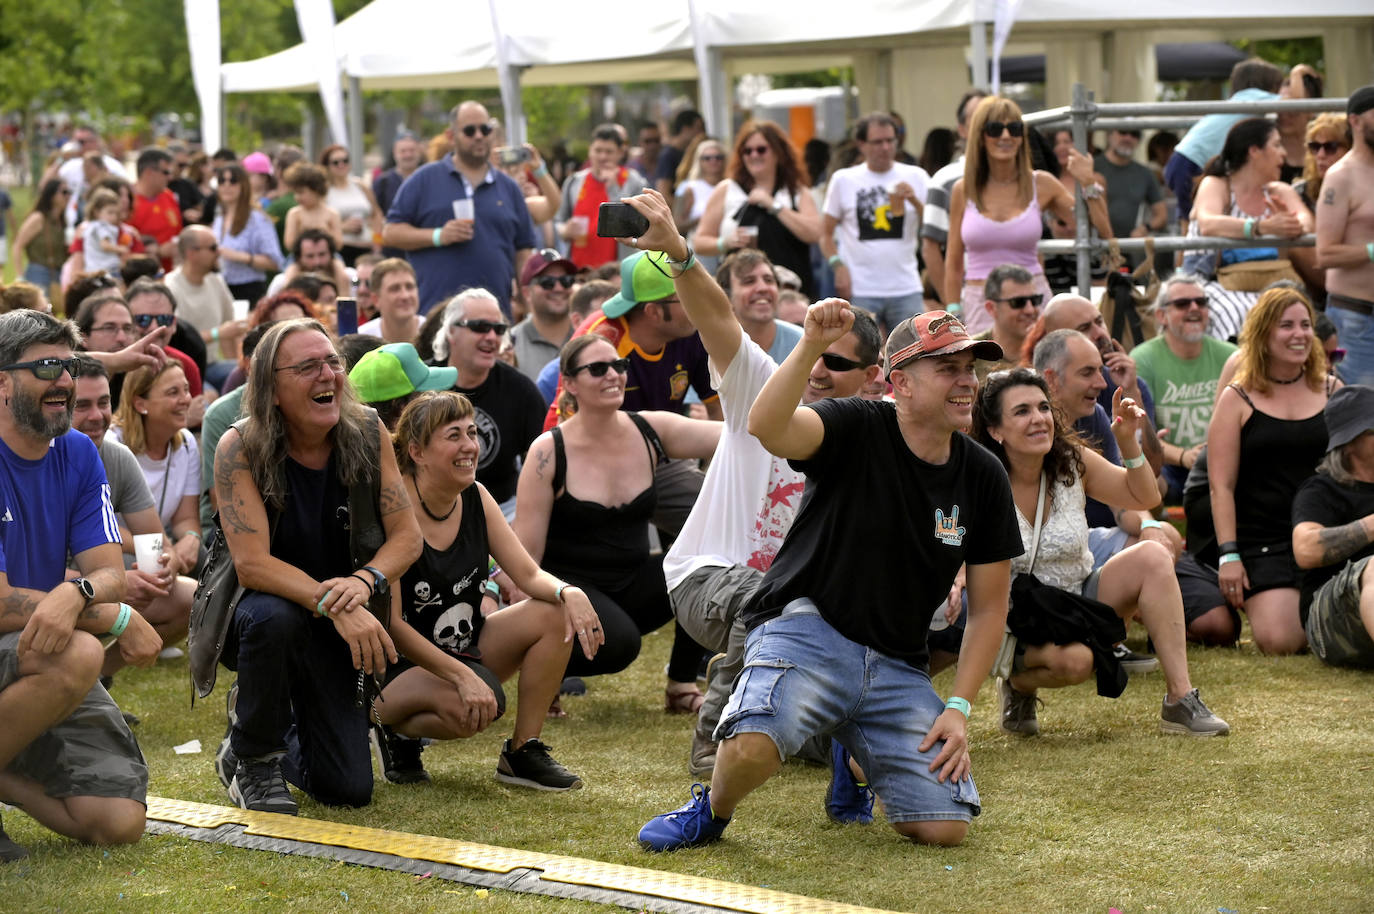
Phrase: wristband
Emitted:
{"points": [[1150, 523], [558, 594], [1228, 547], [493, 590], [542, 171], [1132, 462], [125, 613], [1228, 558], [319, 607], [1249, 227], [678, 267], [435, 237], [214, 334], [1369, 249], [371, 585], [195, 533], [959, 704], [835, 261]]}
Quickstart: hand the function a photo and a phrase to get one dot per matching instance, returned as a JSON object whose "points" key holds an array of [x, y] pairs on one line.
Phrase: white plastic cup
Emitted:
{"points": [[148, 552], [750, 235], [241, 308], [462, 209]]}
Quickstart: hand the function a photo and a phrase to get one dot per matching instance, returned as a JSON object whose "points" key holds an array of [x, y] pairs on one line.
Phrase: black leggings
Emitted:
{"points": [[626, 615]]}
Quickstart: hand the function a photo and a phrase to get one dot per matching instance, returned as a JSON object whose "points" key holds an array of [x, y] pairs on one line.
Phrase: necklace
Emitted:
{"points": [[1300, 376], [437, 518]]}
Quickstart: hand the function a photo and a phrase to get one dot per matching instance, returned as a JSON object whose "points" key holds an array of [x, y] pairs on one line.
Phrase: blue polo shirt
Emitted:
{"points": [[502, 227]]}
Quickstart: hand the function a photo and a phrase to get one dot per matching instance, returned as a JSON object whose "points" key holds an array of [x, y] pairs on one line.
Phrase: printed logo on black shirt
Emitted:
{"points": [[947, 529], [875, 217]]}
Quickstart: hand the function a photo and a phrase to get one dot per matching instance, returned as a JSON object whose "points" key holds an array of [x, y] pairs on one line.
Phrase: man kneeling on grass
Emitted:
{"points": [[837, 629]]}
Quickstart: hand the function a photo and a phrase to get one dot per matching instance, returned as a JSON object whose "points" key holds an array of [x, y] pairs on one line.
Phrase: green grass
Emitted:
{"points": [[1099, 811]]}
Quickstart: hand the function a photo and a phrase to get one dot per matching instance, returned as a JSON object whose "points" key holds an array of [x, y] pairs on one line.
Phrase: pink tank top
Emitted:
{"points": [[989, 243]]}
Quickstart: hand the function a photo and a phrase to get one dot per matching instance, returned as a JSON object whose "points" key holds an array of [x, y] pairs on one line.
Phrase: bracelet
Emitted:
{"points": [[1150, 523], [1249, 226], [214, 334], [435, 237], [319, 607], [1091, 191], [678, 267], [542, 171], [1369, 249], [959, 704], [1228, 558], [1230, 546], [125, 613], [371, 585], [835, 261], [1132, 462], [196, 533], [558, 594], [493, 590]]}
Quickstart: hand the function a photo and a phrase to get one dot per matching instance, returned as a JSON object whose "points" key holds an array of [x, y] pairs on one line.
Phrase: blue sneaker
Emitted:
{"points": [[692, 825], [845, 801]]}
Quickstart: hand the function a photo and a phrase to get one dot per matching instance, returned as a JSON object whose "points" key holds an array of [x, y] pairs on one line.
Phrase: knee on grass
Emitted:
{"points": [[1218, 627], [110, 821], [939, 833]]}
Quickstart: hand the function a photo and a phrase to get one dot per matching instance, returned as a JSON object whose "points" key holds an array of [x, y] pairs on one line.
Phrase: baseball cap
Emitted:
{"points": [[257, 163], [1361, 100], [1349, 414], [395, 370], [933, 333], [643, 277], [540, 261]]}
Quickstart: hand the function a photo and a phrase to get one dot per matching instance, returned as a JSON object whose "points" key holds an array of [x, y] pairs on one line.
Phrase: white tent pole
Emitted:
{"points": [[978, 40], [316, 20], [355, 124], [203, 40], [509, 77], [711, 94]]}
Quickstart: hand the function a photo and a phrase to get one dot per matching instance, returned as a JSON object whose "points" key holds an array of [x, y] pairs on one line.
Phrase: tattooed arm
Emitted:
{"points": [[1333, 212], [534, 497], [1315, 546]]}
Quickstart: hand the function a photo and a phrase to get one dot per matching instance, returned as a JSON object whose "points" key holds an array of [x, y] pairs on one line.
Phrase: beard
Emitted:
{"points": [[28, 415]]}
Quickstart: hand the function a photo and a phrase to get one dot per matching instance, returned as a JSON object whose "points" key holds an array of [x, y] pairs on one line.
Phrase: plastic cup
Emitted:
{"points": [[241, 308], [148, 552], [580, 226], [749, 234], [462, 209], [896, 202]]}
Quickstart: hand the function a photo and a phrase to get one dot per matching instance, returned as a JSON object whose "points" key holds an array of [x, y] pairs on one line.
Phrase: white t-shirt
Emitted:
{"points": [[172, 477], [749, 498], [701, 191], [371, 328], [877, 245], [71, 174], [93, 231], [203, 306]]}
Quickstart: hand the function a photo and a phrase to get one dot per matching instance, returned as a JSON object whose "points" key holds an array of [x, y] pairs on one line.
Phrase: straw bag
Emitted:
{"points": [[1254, 275]]}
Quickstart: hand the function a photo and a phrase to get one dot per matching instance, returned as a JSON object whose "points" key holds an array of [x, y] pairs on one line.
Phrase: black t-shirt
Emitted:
{"points": [[668, 161], [1320, 500], [441, 594], [881, 533], [510, 415]]}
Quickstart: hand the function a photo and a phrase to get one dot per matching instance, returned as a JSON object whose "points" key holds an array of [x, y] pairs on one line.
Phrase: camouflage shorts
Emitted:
{"points": [[1334, 627], [90, 754]]}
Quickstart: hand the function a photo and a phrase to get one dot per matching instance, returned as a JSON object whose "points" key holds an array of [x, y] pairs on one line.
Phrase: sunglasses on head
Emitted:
{"points": [[756, 150], [1184, 304], [1330, 147], [48, 369], [482, 328], [145, 321], [548, 282], [1021, 301], [994, 128], [599, 369], [835, 362], [471, 130]]}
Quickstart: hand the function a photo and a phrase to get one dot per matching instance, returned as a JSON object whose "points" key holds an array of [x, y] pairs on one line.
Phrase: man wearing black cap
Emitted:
{"points": [[1345, 241], [547, 280], [1333, 535], [837, 628]]}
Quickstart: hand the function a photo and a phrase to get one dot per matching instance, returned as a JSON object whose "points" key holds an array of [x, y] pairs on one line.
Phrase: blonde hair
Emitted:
{"points": [[1252, 372], [995, 107], [1328, 123], [133, 430]]}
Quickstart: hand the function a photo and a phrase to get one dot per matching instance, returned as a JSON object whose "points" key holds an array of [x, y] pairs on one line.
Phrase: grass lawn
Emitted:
{"points": [[1099, 811]]}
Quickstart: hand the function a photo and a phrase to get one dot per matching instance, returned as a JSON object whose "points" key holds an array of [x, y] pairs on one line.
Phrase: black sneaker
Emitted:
{"points": [[259, 785], [532, 766], [225, 760], [1134, 664], [398, 756], [1018, 710], [9, 851]]}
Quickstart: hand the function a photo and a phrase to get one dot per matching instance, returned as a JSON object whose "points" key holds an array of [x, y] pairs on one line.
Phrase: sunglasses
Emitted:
{"points": [[1184, 304], [1330, 147], [482, 328], [48, 369], [756, 150], [1335, 356], [1021, 301], [145, 321], [227, 178], [994, 128], [548, 282], [839, 363], [599, 369], [471, 130], [713, 157], [343, 161]]}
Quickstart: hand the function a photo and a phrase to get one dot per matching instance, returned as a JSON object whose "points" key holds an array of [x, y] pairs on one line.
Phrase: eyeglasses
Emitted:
{"points": [[1330, 147], [548, 282], [1183, 304], [227, 178], [482, 328], [839, 363], [343, 161], [48, 369], [599, 369], [756, 150], [994, 128], [471, 130], [1335, 356], [1021, 301], [113, 328], [145, 321], [313, 368]]}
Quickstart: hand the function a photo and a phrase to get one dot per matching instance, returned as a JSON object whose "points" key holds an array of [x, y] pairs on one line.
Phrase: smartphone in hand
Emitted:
{"points": [[620, 220], [347, 309]]}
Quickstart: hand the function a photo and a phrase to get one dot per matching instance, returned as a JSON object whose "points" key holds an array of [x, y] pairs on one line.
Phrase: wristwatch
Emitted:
{"points": [[87, 590], [776, 208], [380, 585]]}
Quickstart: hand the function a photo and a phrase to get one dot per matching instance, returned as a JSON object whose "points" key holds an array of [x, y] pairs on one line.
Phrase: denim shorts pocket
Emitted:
{"points": [[757, 688]]}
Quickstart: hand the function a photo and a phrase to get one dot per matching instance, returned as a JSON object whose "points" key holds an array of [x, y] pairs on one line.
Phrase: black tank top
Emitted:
{"points": [[312, 533], [1276, 457], [441, 594], [593, 543]]}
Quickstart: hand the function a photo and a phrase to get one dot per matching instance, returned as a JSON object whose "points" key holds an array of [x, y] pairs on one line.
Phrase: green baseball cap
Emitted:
{"points": [[395, 370], [643, 277]]}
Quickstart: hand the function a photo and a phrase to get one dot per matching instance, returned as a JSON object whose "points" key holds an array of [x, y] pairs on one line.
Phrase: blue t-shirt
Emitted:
{"points": [[1097, 430], [51, 506], [1205, 138], [502, 227], [548, 381]]}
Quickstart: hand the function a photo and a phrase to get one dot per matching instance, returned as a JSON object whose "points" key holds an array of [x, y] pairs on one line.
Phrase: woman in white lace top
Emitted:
{"points": [[1016, 420]]}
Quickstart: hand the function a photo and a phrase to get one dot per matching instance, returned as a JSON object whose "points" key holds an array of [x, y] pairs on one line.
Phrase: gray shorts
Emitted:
{"points": [[90, 754], [708, 601], [1334, 627]]}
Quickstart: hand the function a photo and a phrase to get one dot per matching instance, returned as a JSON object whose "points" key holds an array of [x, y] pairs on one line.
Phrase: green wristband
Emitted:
{"points": [[1150, 523], [1132, 462], [435, 237], [1228, 558], [959, 704], [1369, 249], [126, 612]]}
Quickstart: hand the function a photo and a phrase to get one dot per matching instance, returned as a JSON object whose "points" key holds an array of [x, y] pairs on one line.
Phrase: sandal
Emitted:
{"points": [[682, 698], [556, 709]]}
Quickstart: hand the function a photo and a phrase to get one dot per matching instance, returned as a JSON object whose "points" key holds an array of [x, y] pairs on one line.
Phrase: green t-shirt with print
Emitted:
{"points": [[1184, 389]]}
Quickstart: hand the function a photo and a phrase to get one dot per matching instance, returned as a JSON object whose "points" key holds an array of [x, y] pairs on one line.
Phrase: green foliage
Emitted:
{"points": [[833, 76], [1286, 52], [556, 113]]}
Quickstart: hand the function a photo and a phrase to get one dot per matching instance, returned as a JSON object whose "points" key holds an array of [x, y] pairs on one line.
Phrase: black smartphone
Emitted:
{"points": [[620, 220], [347, 310], [513, 155]]}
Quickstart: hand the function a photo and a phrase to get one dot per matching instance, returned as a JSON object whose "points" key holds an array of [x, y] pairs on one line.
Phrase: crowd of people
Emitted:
{"points": [[449, 432]]}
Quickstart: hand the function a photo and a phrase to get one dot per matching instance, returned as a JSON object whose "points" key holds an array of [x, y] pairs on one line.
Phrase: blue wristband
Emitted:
{"points": [[1228, 558], [959, 704], [1132, 462], [435, 237], [122, 622], [1150, 523]]}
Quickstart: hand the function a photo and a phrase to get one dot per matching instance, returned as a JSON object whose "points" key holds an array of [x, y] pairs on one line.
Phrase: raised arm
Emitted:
{"points": [[783, 427], [1124, 487], [685, 438]]}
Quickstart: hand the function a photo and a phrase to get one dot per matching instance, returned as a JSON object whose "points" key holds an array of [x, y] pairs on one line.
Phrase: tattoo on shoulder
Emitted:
{"points": [[1329, 196], [543, 462], [394, 498]]}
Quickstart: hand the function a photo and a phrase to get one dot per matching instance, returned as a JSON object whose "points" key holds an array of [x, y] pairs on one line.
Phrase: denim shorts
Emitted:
{"points": [[802, 678]]}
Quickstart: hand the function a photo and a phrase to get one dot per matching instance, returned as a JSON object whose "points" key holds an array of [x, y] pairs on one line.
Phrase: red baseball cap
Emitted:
{"points": [[540, 261], [933, 333]]}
